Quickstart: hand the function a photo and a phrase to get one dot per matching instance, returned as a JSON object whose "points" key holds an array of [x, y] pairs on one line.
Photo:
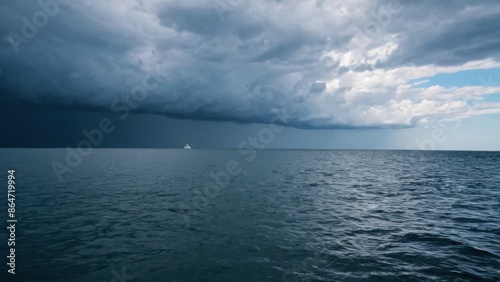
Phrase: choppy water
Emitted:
{"points": [[142, 215]]}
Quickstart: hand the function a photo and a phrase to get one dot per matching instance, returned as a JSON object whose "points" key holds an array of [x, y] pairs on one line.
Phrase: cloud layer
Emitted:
{"points": [[329, 64]]}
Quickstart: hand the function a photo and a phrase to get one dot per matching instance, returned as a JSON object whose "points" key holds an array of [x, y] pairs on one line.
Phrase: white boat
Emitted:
{"points": [[187, 147]]}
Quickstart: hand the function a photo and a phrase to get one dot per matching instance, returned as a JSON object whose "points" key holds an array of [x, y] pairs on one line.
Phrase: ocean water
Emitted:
{"points": [[278, 215]]}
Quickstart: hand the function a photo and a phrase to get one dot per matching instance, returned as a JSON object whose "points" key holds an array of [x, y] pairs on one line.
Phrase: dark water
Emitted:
{"points": [[144, 215]]}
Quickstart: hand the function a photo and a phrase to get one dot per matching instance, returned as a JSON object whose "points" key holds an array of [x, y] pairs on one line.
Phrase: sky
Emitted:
{"points": [[383, 74]]}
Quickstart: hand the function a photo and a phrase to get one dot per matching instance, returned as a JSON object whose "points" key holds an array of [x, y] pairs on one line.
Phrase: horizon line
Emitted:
{"points": [[268, 149]]}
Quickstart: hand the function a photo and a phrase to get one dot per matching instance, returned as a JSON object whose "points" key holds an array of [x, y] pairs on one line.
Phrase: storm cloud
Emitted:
{"points": [[328, 64]]}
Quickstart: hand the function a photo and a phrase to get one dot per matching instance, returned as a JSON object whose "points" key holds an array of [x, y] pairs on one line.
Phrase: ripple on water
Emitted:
{"points": [[292, 216]]}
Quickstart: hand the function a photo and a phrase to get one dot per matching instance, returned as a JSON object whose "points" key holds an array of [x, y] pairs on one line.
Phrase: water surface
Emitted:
{"points": [[288, 215]]}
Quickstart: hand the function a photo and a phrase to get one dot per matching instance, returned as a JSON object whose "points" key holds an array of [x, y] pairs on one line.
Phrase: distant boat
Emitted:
{"points": [[187, 147]]}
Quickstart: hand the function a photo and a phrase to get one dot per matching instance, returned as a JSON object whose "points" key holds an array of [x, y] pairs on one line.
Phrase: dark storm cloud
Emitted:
{"points": [[201, 21], [328, 64], [448, 32]]}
